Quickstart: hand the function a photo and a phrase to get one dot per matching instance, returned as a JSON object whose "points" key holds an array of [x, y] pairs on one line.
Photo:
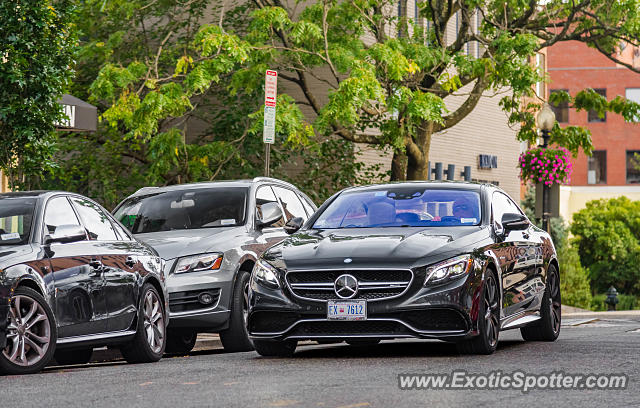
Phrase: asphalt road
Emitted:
{"points": [[345, 376]]}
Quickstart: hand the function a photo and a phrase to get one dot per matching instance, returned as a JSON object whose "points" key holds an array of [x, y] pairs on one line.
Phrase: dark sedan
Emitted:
{"points": [[452, 261], [71, 279]]}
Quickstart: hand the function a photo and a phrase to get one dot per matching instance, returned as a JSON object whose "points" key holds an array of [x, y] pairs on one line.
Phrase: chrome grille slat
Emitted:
{"points": [[318, 285]]}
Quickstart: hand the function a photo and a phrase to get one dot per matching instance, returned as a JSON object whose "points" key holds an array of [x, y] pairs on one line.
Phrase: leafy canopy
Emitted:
{"points": [[37, 42]]}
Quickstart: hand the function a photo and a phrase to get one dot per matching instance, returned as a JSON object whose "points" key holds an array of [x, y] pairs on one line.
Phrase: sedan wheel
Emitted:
{"points": [[149, 342], [31, 334], [153, 322]]}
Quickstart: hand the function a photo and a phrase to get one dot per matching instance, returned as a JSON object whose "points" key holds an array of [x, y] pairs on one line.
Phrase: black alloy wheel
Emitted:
{"points": [[488, 321], [548, 327]]}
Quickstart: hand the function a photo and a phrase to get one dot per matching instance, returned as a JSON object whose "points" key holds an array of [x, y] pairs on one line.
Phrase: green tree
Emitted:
{"points": [[379, 69], [37, 43], [163, 121], [607, 235]]}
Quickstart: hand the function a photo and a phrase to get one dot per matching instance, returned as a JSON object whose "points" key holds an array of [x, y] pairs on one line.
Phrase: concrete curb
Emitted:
{"points": [[204, 342], [604, 315]]}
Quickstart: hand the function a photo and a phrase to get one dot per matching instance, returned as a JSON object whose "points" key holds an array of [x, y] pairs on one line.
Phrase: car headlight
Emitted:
{"points": [[198, 263], [448, 270], [265, 274]]}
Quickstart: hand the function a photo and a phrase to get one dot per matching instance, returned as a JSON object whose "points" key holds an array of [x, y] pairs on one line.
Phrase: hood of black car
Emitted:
{"points": [[379, 247], [173, 244]]}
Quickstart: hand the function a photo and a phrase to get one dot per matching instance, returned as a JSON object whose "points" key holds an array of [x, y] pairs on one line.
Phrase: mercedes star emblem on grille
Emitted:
{"points": [[346, 286]]}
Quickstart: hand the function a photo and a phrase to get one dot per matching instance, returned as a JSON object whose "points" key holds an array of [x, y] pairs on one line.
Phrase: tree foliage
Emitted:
{"points": [[607, 235], [37, 41], [168, 113], [384, 71]]}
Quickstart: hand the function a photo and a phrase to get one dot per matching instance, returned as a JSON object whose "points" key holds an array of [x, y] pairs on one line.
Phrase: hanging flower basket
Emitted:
{"points": [[546, 165]]}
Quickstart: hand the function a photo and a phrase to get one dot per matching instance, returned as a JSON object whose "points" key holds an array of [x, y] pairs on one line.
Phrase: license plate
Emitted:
{"points": [[347, 310]]}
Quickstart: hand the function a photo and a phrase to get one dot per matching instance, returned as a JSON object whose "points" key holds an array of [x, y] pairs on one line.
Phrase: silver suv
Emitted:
{"points": [[210, 235]]}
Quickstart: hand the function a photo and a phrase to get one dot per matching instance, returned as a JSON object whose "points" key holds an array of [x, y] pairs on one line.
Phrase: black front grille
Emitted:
{"points": [[373, 284], [274, 322], [432, 319], [367, 327], [190, 300]]}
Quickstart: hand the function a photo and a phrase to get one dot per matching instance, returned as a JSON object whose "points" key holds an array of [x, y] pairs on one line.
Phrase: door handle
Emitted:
{"points": [[131, 261], [525, 235]]}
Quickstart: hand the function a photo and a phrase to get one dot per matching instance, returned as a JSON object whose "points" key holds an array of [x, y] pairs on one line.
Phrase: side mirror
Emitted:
{"points": [[514, 222], [65, 234], [293, 225], [271, 213]]}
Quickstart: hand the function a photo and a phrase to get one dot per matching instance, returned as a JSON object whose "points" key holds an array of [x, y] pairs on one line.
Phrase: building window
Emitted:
{"points": [[633, 166], [593, 115], [562, 109], [597, 168], [633, 94]]}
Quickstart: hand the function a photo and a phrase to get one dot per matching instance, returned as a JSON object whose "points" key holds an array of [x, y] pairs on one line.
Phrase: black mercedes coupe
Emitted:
{"points": [[436, 260]]}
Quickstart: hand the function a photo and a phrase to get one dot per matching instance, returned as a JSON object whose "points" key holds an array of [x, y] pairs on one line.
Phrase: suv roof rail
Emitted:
{"points": [[261, 178]]}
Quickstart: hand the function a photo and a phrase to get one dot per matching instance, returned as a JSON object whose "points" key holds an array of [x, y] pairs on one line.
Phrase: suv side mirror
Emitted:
{"points": [[271, 213], [293, 225], [66, 233], [514, 222]]}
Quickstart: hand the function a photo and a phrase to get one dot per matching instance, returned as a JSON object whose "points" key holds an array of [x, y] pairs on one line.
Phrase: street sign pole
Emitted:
{"points": [[267, 157], [269, 124]]}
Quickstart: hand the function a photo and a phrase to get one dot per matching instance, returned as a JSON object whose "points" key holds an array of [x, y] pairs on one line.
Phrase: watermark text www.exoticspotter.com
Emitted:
{"points": [[516, 380]]}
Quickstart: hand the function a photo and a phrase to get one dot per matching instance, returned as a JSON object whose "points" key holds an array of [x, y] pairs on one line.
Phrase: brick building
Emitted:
{"points": [[611, 170]]}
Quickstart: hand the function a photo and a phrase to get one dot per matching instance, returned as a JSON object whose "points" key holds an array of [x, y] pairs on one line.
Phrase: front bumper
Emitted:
{"points": [[447, 312], [186, 308]]}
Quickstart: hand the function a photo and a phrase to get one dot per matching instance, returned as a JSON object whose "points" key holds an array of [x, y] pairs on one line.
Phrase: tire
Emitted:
{"points": [[363, 343], [150, 340], [180, 341], [72, 357], [268, 348], [39, 330], [548, 327], [236, 338], [488, 321]]}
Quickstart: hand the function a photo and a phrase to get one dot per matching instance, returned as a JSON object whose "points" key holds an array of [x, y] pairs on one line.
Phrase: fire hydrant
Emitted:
{"points": [[612, 298]]}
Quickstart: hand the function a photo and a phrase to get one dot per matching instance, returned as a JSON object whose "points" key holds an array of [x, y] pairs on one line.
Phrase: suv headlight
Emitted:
{"points": [[448, 270], [265, 274], [198, 263]]}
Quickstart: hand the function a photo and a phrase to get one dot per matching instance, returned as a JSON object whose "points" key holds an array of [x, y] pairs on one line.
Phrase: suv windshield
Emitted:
{"points": [[402, 207], [16, 215], [184, 209]]}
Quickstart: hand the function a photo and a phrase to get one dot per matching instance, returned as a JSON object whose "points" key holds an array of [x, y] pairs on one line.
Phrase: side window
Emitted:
{"points": [[95, 220], [58, 212], [265, 195], [122, 234], [292, 205], [500, 205], [307, 204]]}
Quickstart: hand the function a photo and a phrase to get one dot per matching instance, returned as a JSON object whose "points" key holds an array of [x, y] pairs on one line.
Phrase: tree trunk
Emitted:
{"points": [[399, 166], [417, 168]]}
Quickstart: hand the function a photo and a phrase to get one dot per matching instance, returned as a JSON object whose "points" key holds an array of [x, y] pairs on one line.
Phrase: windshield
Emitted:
{"points": [[16, 215], [185, 209], [402, 206]]}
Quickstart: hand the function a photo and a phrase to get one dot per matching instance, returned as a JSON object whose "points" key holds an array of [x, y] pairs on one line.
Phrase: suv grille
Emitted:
{"points": [[191, 300], [372, 284]]}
